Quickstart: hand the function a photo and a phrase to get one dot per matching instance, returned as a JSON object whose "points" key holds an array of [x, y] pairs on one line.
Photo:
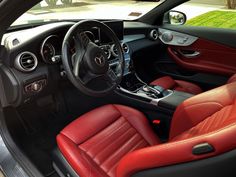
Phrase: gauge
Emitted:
{"points": [[48, 50]]}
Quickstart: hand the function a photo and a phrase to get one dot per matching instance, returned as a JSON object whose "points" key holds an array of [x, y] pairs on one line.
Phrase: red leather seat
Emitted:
{"points": [[117, 141], [168, 82], [96, 142]]}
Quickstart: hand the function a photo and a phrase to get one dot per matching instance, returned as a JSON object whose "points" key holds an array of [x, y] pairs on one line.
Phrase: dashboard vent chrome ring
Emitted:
{"points": [[125, 47], [26, 62], [114, 50], [154, 35]]}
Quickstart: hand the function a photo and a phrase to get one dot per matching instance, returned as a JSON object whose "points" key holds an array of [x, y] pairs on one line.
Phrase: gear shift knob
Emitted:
{"points": [[151, 90]]}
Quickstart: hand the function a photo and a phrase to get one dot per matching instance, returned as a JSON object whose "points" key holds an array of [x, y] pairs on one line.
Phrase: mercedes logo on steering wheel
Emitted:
{"points": [[100, 60]]}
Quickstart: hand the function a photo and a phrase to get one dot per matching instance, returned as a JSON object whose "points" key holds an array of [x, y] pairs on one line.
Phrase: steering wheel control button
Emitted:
{"points": [[35, 87], [112, 75]]}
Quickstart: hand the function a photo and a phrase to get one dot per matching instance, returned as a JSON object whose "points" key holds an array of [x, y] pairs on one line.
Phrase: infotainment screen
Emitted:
{"points": [[117, 27]]}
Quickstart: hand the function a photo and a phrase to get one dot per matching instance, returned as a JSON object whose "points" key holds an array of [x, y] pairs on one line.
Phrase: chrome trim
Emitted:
{"points": [[112, 51], [176, 38], [193, 55], [143, 95], [100, 60], [8, 164], [18, 65], [151, 35], [156, 101], [122, 45]]}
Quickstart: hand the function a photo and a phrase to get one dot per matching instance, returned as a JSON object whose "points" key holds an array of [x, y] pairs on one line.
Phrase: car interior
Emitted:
{"points": [[116, 98]]}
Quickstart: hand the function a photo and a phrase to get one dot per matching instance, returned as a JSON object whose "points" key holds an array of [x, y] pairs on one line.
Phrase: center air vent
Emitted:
{"points": [[114, 49], [26, 62], [125, 47], [154, 35]]}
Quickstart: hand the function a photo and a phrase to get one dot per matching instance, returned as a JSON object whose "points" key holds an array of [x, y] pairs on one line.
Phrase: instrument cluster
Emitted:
{"points": [[51, 48]]}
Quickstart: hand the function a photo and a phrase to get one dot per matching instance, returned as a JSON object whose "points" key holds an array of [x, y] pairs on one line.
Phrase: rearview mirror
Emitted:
{"points": [[176, 18]]}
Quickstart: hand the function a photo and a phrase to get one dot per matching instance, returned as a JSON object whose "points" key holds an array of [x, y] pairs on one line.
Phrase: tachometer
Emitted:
{"points": [[48, 50]]}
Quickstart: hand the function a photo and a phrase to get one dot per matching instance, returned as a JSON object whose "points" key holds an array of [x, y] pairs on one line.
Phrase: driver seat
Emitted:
{"points": [[117, 141]]}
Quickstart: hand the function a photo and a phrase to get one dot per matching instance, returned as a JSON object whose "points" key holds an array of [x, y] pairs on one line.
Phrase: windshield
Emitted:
{"points": [[51, 10]]}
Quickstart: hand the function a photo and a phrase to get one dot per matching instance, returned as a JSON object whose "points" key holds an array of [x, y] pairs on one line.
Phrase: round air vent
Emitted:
{"points": [[153, 35], [125, 47], [114, 50], [26, 62]]}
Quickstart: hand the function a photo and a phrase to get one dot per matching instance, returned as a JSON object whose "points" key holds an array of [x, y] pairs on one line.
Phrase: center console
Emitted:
{"points": [[135, 88]]}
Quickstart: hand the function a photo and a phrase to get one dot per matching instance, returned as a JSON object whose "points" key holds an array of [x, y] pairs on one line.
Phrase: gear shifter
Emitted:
{"points": [[152, 92]]}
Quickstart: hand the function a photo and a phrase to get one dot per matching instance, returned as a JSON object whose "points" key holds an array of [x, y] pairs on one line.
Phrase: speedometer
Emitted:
{"points": [[48, 51]]}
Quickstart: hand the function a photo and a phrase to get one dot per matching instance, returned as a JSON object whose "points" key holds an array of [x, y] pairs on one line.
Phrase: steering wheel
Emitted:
{"points": [[88, 69]]}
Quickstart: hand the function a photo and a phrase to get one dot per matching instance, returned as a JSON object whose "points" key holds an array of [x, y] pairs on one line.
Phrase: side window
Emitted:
{"points": [[210, 13]]}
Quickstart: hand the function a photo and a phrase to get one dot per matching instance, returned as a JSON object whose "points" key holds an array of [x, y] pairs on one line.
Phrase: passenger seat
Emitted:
{"points": [[168, 82]]}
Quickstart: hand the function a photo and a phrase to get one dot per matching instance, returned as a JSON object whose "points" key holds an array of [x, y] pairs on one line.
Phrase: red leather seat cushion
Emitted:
{"points": [[168, 83], [94, 144]]}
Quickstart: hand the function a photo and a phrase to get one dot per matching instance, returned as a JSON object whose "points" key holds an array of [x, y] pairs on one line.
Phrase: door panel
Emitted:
{"points": [[225, 37], [201, 60], [205, 56]]}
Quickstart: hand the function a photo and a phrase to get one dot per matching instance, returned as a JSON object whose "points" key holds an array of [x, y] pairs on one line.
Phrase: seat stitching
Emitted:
{"points": [[120, 138], [131, 125], [202, 124], [133, 148], [106, 136], [206, 134], [126, 144], [118, 148], [98, 131], [90, 169]]}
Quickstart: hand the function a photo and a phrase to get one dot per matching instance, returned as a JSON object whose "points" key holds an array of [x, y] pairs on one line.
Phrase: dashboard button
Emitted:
{"points": [[36, 86]]}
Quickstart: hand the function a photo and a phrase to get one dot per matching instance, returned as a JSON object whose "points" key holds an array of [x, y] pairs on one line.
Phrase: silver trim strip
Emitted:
{"points": [[143, 95], [176, 38]]}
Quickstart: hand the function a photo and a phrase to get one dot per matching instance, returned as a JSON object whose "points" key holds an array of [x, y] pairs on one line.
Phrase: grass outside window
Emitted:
{"points": [[215, 19]]}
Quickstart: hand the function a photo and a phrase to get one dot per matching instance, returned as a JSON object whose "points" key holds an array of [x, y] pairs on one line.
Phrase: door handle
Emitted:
{"points": [[189, 53]]}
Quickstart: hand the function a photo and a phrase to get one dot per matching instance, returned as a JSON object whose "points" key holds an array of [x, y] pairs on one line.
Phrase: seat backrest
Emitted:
{"points": [[208, 118], [215, 105]]}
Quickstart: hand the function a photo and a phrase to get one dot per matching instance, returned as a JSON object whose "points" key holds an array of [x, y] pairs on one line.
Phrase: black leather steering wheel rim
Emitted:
{"points": [[72, 70]]}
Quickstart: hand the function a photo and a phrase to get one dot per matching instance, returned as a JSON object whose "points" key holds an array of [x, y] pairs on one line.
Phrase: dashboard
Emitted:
{"points": [[31, 66]]}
